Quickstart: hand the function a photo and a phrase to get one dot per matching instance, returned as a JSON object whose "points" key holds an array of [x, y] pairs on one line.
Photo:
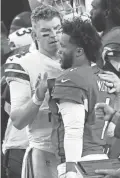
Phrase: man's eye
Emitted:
{"points": [[59, 30], [45, 35]]}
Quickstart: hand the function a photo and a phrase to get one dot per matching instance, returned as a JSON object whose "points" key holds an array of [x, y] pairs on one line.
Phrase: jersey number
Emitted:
{"points": [[21, 33]]}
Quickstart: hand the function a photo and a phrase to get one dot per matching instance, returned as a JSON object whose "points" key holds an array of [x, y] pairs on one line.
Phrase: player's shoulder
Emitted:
{"points": [[74, 84], [113, 36], [81, 73], [80, 77], [28, 60], [16, 68], [115, 29], [19, 60], [21, 37], [18, 54], [96, 70], [14, 63]]}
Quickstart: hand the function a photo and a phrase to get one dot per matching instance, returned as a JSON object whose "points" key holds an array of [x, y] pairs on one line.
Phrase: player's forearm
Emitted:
{"points": [[73, 142], [73, 145], [24, 115], [74, 125]]}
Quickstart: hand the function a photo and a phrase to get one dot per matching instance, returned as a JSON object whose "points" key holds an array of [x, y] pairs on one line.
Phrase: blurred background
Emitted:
{"points": [[11, 8]]}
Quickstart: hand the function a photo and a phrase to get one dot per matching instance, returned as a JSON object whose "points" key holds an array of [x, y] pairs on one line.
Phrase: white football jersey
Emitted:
{"points": [[25, 71], [21, 37]]}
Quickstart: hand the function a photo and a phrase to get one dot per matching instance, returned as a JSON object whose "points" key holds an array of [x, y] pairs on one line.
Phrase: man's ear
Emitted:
{"points": [[33, 36], [79, 52], [107, 13]]}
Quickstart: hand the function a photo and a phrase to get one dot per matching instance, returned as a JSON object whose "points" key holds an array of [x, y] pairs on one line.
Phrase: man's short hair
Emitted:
{"points": [[84, 35], [44, 13]]}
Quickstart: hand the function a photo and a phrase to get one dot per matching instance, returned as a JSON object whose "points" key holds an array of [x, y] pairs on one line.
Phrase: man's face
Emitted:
{"points": [[66, 51], [48, 34], [98, 15]]}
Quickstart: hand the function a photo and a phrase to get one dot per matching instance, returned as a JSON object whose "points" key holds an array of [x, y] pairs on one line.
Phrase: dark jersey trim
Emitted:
{"points": [[17, 75], [14, 66]]}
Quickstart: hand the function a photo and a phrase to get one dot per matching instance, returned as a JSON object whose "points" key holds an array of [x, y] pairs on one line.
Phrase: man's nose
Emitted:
{"points": [[53, 33]]}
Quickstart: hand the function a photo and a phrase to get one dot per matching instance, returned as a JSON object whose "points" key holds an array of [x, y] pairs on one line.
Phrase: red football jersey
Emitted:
{"points": [[81, 85]]}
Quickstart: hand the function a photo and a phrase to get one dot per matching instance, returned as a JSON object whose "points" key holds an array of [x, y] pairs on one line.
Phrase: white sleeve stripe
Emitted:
{"points": [[10, 79], [14, 70]]}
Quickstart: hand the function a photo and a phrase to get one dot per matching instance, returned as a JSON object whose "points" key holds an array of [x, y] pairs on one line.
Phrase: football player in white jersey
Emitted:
{"points": [[20, 30], [28, 106], [21, 37], [21, 20]]}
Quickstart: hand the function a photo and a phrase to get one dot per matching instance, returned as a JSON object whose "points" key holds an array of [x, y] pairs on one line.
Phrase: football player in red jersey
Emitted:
{"points": [[77, 134], [105, 15]]}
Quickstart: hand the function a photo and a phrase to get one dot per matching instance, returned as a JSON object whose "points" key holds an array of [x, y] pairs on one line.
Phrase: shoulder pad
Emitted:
{"points": [[14, 70]]}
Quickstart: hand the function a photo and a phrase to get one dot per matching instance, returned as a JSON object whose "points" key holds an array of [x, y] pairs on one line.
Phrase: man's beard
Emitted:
{"points": [[67, 62], [99, 23]]}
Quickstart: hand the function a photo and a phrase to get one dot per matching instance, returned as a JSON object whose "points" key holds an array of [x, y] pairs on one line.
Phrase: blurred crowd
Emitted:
{"points": [[60, 90]]}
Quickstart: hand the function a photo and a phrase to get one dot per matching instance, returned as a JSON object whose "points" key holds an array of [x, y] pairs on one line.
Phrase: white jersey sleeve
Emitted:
{"points": [[73, 116], [18, 79], [21, 37], [15, 70], [21, 97]]}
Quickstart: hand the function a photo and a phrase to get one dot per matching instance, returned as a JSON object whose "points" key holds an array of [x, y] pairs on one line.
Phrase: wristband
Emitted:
{"points": [[36, 101]]}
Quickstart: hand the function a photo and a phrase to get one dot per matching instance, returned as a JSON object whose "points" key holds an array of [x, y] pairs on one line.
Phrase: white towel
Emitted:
{"points": [[27, 171]]}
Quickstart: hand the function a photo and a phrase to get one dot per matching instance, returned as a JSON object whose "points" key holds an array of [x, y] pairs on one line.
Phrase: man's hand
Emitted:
{"points": [[112, 81], [102, 110], [109, 173], [41, 87]]}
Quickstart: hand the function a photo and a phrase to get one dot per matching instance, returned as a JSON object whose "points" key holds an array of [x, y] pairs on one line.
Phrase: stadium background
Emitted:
{"points": [[11, 8]]}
